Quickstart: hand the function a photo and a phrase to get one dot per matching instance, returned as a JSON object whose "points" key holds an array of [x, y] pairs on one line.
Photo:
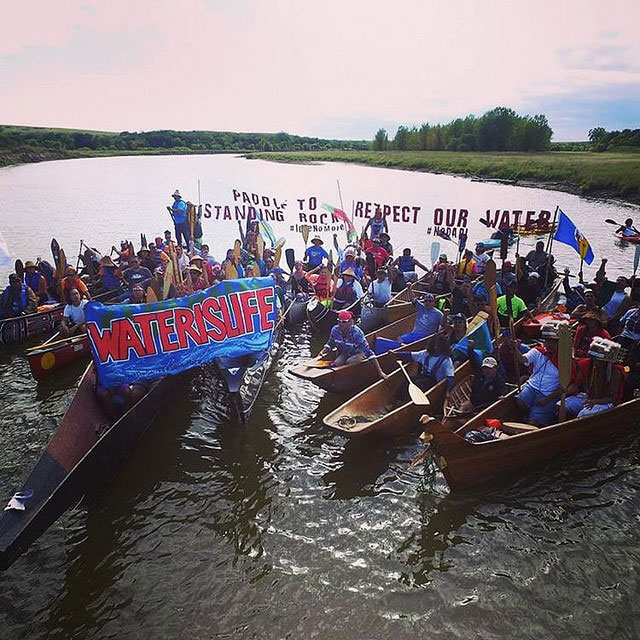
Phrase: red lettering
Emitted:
{"points": [[105, 343], [248, 309], [438, 215], [144, 320], [166, 330], [129, 339], [211, 306], [185, 328], [237, 313], [529, 221], [199, 320], [231, 328], [266, 306], [462, 222], [405, 214]]}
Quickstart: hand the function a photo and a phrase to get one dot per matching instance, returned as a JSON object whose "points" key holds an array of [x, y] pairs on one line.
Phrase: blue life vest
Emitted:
{"points": [[406, 264], [18, 304], [32, 281]]}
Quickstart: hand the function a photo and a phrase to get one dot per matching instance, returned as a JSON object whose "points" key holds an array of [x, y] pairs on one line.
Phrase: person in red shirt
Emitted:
{"points": [[379, 253], [72, 281], [590, 328]]}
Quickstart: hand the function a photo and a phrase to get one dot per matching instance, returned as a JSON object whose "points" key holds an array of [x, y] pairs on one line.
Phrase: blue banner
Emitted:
{"points": [[568, 233], [132, 342]]}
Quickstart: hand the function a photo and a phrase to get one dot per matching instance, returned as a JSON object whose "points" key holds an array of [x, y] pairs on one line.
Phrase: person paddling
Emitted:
{"points": [[428, 318], [627, 229], [35, 281], [435, 363], [17, 299]]}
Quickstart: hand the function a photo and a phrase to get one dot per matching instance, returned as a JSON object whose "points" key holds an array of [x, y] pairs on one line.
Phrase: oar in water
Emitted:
{"points": [[416, 394], [610, 221]]}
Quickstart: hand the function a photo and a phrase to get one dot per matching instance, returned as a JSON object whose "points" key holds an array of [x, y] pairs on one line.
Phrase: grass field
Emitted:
{"points": [[587, 173]]}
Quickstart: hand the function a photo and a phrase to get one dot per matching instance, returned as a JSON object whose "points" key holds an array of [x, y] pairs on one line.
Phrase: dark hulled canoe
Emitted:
{"points": [[50, 357], [296, 311], [84, 452], [465, 464], [245, 375], [323, 317], [28, 326]]}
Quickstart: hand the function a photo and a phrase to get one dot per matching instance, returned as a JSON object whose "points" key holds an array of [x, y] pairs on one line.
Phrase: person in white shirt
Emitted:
{"points": [[73, 322], [380, 289], [540, 392], [480, 257]]}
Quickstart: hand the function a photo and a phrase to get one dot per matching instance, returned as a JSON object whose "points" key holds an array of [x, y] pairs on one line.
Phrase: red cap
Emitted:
{"points": [[345, 315]]}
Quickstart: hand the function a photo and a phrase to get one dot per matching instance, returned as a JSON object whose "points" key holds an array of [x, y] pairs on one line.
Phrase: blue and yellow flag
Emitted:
{"points": [[568, 233]]}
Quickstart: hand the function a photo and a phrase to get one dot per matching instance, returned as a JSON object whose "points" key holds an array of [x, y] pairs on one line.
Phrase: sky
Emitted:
{"points": [[331, 69]]}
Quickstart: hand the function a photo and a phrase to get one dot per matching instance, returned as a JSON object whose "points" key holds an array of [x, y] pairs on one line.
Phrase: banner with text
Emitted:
{"points": [[132, 342]]}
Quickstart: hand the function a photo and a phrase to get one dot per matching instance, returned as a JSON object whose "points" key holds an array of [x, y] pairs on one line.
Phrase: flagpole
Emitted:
{"points": [[550, 246]]}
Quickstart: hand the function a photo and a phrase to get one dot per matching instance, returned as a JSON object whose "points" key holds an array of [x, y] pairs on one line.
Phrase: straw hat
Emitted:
{"points": [[348, 272], [176, 194], [106, 261], [30, 263], [193, 267]]}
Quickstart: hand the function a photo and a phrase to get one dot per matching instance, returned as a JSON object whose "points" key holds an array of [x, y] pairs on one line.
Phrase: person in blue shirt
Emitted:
{"points": [[627, 230], [347, 344], [428, 320], [350, 262], [435, 363], [377, 224], [480, 291], [179, 214], [315, 254]]}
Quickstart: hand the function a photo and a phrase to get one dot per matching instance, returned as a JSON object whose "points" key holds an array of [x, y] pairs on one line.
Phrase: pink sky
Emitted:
{"points": [[332, 69]]}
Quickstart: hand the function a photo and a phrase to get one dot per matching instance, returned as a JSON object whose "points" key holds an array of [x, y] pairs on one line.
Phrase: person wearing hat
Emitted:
{"points": [[144, 255], [590, 327], [110, 277], [385, 242], [347, 344], [315, 255], [541, 390], [348, 290], [178, 211], [537, 257], [428, 320], [35, 281], [530, 289], [376, 225], [488, 382], [138, 295], [480, 292], [480, 257], [407, 264], [380, 289], [136, 274], [598, 385], [17, 299], [72, 281], [518, 306], [195, 271], [350, 262]]}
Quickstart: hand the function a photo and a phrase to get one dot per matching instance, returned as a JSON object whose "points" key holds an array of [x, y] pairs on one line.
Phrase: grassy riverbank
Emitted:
{"points": [[613, 175]]}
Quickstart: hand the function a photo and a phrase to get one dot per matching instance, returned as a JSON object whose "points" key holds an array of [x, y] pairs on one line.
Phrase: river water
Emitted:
{"points": [[281, 528]]}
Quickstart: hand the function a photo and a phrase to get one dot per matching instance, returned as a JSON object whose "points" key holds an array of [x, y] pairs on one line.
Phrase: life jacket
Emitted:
{"points": [[18, 302], [345, 293], [321, 287], [467, 267], [377, 227], [47, 271], [585, 365], [33, 282], [406, 264], [581, 343]]}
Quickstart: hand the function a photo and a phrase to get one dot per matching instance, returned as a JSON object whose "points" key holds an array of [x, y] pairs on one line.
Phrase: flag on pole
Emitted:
{"points": [[569, 234], [341, 215]]}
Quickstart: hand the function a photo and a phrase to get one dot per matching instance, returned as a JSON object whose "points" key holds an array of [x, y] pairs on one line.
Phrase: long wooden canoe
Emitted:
{"points": [[465, 464], [85, 451], [385, 409]]}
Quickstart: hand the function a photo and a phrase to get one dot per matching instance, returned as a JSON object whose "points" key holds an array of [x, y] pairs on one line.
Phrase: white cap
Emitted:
{"points": [[490, 362]]}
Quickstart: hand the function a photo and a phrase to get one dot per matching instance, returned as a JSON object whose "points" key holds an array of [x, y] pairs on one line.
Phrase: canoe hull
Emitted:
{"points": [[33, 324], [79, 458], [43, 362], [467, 464]]}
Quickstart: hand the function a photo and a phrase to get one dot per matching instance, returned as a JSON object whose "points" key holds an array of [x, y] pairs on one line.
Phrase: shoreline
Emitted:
{"points": [[490, 173]]}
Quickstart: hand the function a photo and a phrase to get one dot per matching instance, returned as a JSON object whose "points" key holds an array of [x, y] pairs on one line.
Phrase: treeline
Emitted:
{"points": [[12, 138], [500, 129], [626, 140]]}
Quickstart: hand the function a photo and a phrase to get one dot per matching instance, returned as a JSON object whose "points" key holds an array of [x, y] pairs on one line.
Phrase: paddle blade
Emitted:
{"points": [[565, 354], [304, 230], [19, 268], [490, 274], [610, 221], [417, 395], [151, 295], [259, 247], [435, 252], [237, 249], [636, 259], [504, 246], [290, 257]]}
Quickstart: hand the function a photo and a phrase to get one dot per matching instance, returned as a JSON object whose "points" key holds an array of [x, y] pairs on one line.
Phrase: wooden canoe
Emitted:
{"points": [[50, 357], [84, 452], [296, 310], [465, 464], [385, 409]]}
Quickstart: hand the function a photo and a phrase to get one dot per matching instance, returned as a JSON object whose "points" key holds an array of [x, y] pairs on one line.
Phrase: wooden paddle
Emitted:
{"points": [[168, 278], [490, 285], [259, 247], [319, 364], [512, 333], [151, 294], [237, 250], [416, 394], [565, 357], [304, 230]]}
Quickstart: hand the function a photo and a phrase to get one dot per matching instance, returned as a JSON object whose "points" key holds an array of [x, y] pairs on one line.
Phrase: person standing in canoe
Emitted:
{"points": [[315, 254], [377, 224], [540, 392], [18, 299], [435, 363], [73, 322], [35, 281], [347, 344], [480, 257], [178, 211], [428, 320], [380, 289]]}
